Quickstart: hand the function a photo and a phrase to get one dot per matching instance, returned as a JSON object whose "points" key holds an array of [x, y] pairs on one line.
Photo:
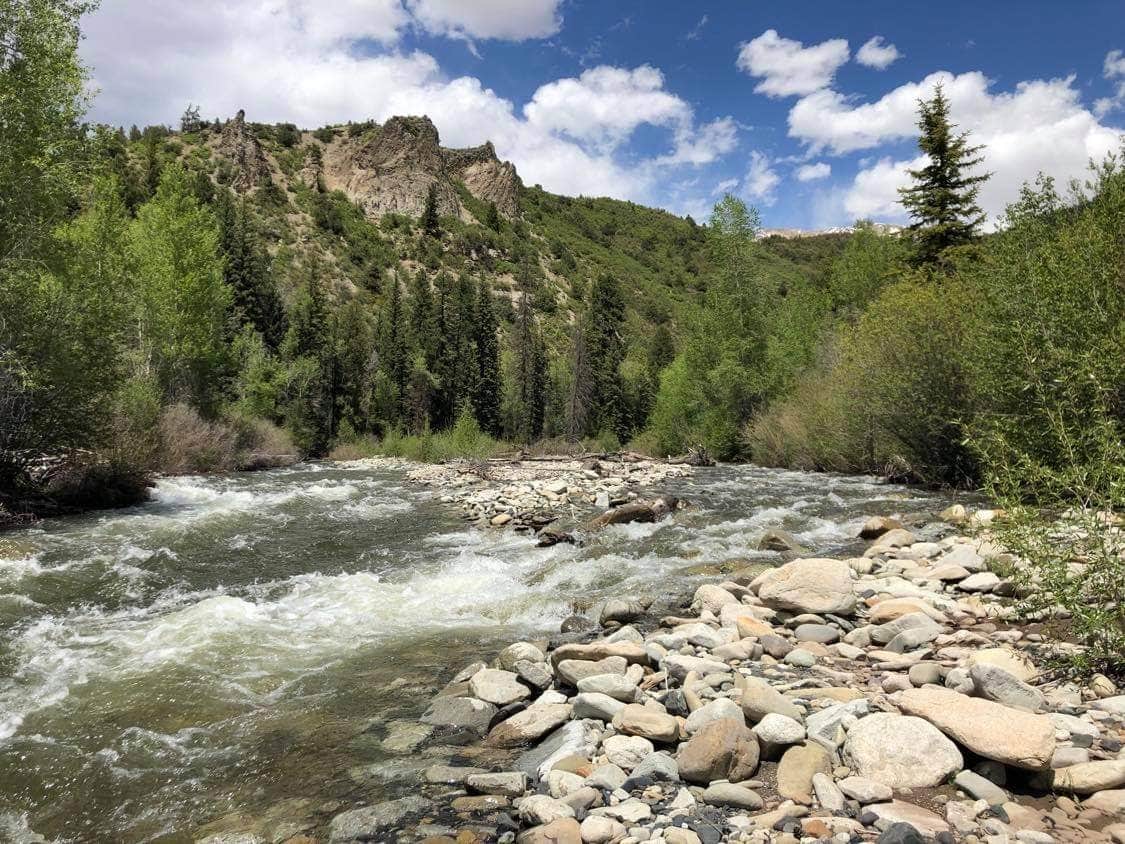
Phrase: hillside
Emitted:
{"points": [[347, 199]]}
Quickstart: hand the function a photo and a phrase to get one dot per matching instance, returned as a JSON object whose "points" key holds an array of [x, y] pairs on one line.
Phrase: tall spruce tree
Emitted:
{"points": [[431, 223], [394, 353], [531, 375], [605, 350], [943, 199], [247, 272], [307, 395], [489, 386]]}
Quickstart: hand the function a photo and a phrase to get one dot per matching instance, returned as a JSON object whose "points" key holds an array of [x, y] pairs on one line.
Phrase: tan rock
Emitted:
{"points": [[811, 585], [748, 626], [724, 749], [876, 526], [840, 694], [889, 609], [561, 831], [638, 720], [527, 726], [630, 651], [796, 768], [900, 751], [1088, 777], [1109, 802], [897, 811], [989, 729], [1011, 660]]}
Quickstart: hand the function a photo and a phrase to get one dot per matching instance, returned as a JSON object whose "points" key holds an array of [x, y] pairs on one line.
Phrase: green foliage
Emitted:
{"points": [[943, 198], [430, 223], [868, 262], [174, 244]]}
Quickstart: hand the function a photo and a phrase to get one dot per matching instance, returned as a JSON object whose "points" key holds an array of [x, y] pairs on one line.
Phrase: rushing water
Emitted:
{"points": [[227, 647]]}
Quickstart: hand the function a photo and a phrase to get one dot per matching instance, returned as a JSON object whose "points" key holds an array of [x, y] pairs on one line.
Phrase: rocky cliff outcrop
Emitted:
{"points": [[238, 146], [392, 167]]}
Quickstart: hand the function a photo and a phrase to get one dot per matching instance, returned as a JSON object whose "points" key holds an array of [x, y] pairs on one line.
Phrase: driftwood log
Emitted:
{"points": [[637, 511]]}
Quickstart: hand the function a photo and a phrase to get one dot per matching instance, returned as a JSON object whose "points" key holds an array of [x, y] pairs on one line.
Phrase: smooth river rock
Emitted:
{"points": [[811, 585], [638, 720], [900, 751], [989, 729], [498, 687], [1088, 777], [796, 769], [721, 750], [527, 726]]}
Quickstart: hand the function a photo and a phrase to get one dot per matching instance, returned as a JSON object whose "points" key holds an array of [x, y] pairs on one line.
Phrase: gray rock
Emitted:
{"points": [[573, 670], [909, 640], [621, 611], [498, 687], [729, 794], [825, 634], [779, 540], [448, 775], [826, 726], [535, 674], [827, 794], [994, 683], [900, 751], [372, 822], [539, 809], [980, 788], [658, 766], [616, 686], [775, 731], [517, 652], [983, 581], [800, 658], [464, 713], [775, 646], [883, 633], [568, 740], [506, 783], [608, 777], [595, 705], [924, 673], [865, 790], [810, 585], [627, 751]]}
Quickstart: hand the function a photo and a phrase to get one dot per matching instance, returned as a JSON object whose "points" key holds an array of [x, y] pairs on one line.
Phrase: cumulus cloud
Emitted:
{"points": [[788, 67], [282, 62], [513, 20], [813, 172], [606, 104], [761, 180], [1041, 126], [1114, 69], [877, 54]]}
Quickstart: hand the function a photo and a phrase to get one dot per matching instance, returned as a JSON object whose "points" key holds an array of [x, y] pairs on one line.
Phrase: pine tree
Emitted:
{"points": [[531, 375], [423, 326], [394, 352], [247, 272], [489, 386], [431, 224], [943, 199], [492, 217], [352, 366], [308, 401], [605, 350], [151, 165]]}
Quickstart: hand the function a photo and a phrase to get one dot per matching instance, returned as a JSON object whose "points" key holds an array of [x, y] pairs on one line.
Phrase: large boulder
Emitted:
{"points": [[460, 713], [989, 729], [811, 585], [498, 687], [724, 749], [900, 751], [527, 726]]}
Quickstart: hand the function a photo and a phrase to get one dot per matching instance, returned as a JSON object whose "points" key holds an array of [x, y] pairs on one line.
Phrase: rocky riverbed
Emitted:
{"points": [[882, 697], [532, 493]]}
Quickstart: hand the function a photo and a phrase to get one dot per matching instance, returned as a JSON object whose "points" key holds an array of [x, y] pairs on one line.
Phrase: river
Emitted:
{"points": [[234, 645]]}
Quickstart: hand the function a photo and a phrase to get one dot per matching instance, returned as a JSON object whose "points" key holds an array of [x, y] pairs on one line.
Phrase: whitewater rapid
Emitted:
{"points": [[157, 663]]}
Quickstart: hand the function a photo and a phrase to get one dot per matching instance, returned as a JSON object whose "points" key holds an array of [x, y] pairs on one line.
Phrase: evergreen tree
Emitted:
{"points": [[605, 351], [531, 375], [190, 121], [394, 352], [492, 217], [247, 271], [151, 165], [431, 224], [352, 366], [423, 326], [489, 386], [943, 199], [307, 395]]}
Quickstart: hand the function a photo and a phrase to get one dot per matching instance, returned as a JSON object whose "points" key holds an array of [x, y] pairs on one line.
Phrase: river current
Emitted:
{"points": [[235, 645]]}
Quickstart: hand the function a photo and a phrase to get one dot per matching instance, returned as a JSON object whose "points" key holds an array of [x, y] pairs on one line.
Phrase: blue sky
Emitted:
{"points": [[805, 109]]}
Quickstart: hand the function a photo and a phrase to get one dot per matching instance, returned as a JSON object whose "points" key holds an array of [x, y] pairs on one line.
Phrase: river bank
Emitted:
{"points": [[885, 695]]}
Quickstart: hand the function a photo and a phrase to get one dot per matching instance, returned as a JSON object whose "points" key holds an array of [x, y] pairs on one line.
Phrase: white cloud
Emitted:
{"points": [[788, 67], [513, 20], [705, 144], [1114, 68], [761, 179], [813, 172], [875, 53], [1041, 126], [606, 104]]}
